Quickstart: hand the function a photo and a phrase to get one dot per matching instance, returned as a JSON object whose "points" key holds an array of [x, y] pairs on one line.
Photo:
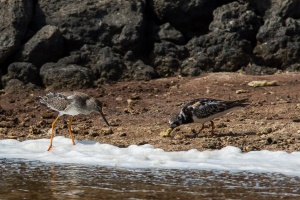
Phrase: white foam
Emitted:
{"points": [[146, 156]]}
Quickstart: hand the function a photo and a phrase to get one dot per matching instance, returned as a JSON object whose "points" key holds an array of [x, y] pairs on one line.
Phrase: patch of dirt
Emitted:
{"points": [[139, 110]]}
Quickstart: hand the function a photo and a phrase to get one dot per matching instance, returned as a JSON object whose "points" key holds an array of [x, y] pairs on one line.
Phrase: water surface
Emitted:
{"points": [[21, 179]]}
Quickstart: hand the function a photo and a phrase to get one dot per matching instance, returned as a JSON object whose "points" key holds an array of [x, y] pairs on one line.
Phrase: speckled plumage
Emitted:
{"points": [[71, 103], [203, 110]]}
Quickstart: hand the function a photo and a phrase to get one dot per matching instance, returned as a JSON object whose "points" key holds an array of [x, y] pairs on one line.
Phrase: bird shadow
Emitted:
{"points": [[236, 134], [199, 135]]}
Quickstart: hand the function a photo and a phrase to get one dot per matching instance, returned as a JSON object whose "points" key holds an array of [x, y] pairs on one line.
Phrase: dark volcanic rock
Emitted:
{"points": [[58, 75], [144, 39], [103, 23], [15, 86], [14, 19], [228, 46], [140, 71], [25, 72], [109, 65], [189, 17], [254, 69], [236, 18], [166, 58], [279, 42], [214, 52], [45, 46], [168, 33]]}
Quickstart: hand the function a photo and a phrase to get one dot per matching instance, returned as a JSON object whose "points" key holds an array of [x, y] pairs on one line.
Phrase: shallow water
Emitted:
{"points": [[21, 179]]}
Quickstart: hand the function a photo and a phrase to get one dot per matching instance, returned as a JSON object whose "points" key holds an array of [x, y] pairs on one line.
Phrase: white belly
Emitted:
{"points": [[72, 111]]}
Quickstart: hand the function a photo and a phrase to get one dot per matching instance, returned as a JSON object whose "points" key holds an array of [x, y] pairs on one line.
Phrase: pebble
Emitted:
{"points": [[262, 83], [122, 134], [106, 131], [241, 91], [94, 134]]}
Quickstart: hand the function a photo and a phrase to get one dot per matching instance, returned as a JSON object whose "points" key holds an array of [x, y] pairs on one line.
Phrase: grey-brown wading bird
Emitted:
{"points": [[203, 110], [70, 103]]}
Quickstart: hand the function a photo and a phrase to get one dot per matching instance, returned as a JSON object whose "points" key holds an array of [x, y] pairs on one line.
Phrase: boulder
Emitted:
{"points": [[166, 58], [15, 17], [138, 70], [278, 40], [45, 46], [214, 52], [236, 18], [24, 72], [191, 17], [117, 24], [229, 45], [67, 76], [168, 33], [109, 65], [15, 86]]}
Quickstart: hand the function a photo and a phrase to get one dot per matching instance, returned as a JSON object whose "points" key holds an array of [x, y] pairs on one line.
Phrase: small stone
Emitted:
{"points": [[106, 131], [131, 102], [3, 130], [119, 99], [11, 101], [179, 137], [22, 123], [142, 143], [262, 83], [34, 130], [249, 148], [289, 141], [241, 91], [94, 134], [122, 134], [135, 97], [296, 119], [47, 115], [12, 137], [269, 140], [127, 110], [7, 124], [266, 130]]}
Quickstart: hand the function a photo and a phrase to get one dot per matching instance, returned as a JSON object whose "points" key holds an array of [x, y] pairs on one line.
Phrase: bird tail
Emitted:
{"points": [[40, 100], [240, 103]]}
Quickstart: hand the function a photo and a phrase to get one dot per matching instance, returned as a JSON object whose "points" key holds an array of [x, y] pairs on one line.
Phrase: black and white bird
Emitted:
{"points": [[203, 110], [71, 103]]}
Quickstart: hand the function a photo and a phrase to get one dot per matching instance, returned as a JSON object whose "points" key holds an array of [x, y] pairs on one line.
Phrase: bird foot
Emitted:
{"points": [[193, 135]]}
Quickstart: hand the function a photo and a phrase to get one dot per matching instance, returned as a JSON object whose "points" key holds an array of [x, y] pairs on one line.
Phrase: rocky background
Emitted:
{"points": [[82, 43]]}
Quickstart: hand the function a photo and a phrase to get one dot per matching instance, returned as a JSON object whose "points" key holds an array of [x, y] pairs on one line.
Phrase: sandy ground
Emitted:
{"points": [[139, 111]]}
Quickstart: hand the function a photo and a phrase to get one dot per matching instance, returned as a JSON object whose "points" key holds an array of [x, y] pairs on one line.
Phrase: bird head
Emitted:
{"points": [[98, 108], [175, 120]]}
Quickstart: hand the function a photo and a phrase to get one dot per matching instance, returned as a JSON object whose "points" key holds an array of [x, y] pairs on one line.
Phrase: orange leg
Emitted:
{"points": [[201, 128], [70, 131], [52, 133], [212, 127]]}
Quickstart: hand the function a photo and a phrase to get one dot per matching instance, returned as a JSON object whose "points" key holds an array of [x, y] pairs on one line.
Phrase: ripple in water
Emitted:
{"points": [[37, 180]]}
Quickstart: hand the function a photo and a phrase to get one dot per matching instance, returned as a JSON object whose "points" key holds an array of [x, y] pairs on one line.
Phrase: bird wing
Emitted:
{"points": [[202, 108], [57, 101]]}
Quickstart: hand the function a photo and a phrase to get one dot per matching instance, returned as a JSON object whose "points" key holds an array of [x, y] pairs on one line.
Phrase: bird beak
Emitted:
{"points": [[100, 110]]}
